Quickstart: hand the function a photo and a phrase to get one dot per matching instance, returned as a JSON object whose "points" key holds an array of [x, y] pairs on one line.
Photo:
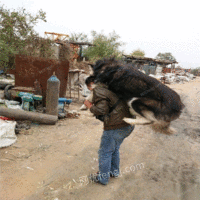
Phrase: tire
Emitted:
{"points": [[7, 92]]}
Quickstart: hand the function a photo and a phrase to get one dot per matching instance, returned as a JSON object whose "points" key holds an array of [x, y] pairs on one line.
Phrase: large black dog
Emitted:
{"points": [[149, 100]]}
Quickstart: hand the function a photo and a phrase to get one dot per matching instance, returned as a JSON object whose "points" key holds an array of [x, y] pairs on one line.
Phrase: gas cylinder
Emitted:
{"points": [[37, 87], [52, 95]]}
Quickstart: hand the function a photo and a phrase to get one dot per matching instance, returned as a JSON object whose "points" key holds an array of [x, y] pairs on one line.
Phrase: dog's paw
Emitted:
{"points": [[159, 128], [171, 131], [129, 120]]}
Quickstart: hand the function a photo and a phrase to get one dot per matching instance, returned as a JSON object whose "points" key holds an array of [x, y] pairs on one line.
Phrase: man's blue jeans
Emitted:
{"points": [[109, 158]]}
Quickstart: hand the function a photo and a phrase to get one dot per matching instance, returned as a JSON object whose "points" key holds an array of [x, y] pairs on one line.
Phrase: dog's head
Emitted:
{"points": [[102, 69]]}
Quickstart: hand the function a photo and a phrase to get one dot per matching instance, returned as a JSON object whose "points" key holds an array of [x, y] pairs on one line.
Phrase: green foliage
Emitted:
{"points": [[165, 56], [105, 46], [138, 52], [196, 71], [78, 37], [17, 35]]}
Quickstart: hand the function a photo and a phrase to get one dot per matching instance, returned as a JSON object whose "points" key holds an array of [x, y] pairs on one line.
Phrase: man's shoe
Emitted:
{"points": [[113, 176], [94, 178]]}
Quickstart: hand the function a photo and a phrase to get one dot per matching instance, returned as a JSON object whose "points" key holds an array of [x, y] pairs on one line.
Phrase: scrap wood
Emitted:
{"points": [[26, 115]]}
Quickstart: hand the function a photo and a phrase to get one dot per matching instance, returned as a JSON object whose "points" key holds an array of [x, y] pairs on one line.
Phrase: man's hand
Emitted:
{"points": [[88, 104]]}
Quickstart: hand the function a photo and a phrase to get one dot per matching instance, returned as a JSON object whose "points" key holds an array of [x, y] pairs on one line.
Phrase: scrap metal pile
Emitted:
{"points": [[176, 77]]}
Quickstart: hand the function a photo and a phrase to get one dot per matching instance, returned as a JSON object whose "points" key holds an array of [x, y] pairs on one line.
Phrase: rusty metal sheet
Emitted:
{"points": [[28, 69]]}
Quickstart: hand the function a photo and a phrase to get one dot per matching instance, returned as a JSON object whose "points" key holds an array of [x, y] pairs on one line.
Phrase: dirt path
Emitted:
{"points": [[48, 162]]}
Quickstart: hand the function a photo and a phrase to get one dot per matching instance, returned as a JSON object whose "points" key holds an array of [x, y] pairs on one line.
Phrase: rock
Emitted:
{"points": [[61, 115]]}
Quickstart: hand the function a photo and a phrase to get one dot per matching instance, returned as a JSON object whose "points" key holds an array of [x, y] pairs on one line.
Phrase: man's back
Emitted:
{"points": [[103, 100]]}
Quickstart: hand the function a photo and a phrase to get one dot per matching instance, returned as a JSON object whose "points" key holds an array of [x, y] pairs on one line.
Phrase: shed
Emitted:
{"points": [[149, 65]]}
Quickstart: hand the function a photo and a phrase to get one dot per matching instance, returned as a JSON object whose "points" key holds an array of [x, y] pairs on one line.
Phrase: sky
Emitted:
{"points": [[153, 26]]}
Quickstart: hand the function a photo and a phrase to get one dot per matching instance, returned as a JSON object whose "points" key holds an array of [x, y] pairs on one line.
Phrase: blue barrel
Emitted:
{"points": [[53, 89]]}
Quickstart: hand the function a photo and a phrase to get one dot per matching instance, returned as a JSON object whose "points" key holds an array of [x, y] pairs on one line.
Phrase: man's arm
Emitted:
{"points": [[100, 103], [101, 108]]}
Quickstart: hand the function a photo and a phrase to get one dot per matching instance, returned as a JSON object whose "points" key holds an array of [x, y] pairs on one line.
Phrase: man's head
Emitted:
{"points": [[89, 82]]}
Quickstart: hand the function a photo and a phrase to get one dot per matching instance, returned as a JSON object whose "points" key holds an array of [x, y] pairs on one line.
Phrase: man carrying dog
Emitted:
{"points": [[107, 107]]}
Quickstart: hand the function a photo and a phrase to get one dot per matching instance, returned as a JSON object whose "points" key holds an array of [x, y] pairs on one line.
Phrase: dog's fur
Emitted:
{"points": [[149, 100]]}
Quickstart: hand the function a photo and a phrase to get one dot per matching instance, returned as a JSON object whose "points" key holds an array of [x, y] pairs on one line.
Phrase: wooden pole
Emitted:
{"points": [[70, 85], [78, 89], [26, 115]]}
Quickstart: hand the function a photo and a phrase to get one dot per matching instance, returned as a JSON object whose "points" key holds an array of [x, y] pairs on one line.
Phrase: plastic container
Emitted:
{"points": [[37, 97], [21, 94], [27, 102]]}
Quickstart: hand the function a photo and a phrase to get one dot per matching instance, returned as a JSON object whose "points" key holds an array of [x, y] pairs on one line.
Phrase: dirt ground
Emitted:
{"points": [[52, 162]]}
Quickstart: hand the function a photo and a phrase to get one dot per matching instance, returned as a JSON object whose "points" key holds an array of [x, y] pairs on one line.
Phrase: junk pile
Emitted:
{"points": [[17, 115], [176, 77], [73, 114], [26, 102]]}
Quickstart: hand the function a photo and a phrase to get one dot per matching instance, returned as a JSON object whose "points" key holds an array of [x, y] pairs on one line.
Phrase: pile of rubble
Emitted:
{"points": [[177, 77], [72, 114]]}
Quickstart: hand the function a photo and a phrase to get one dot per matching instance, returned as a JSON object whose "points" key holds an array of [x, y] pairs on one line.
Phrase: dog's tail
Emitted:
{"points": [[163, 127]]}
